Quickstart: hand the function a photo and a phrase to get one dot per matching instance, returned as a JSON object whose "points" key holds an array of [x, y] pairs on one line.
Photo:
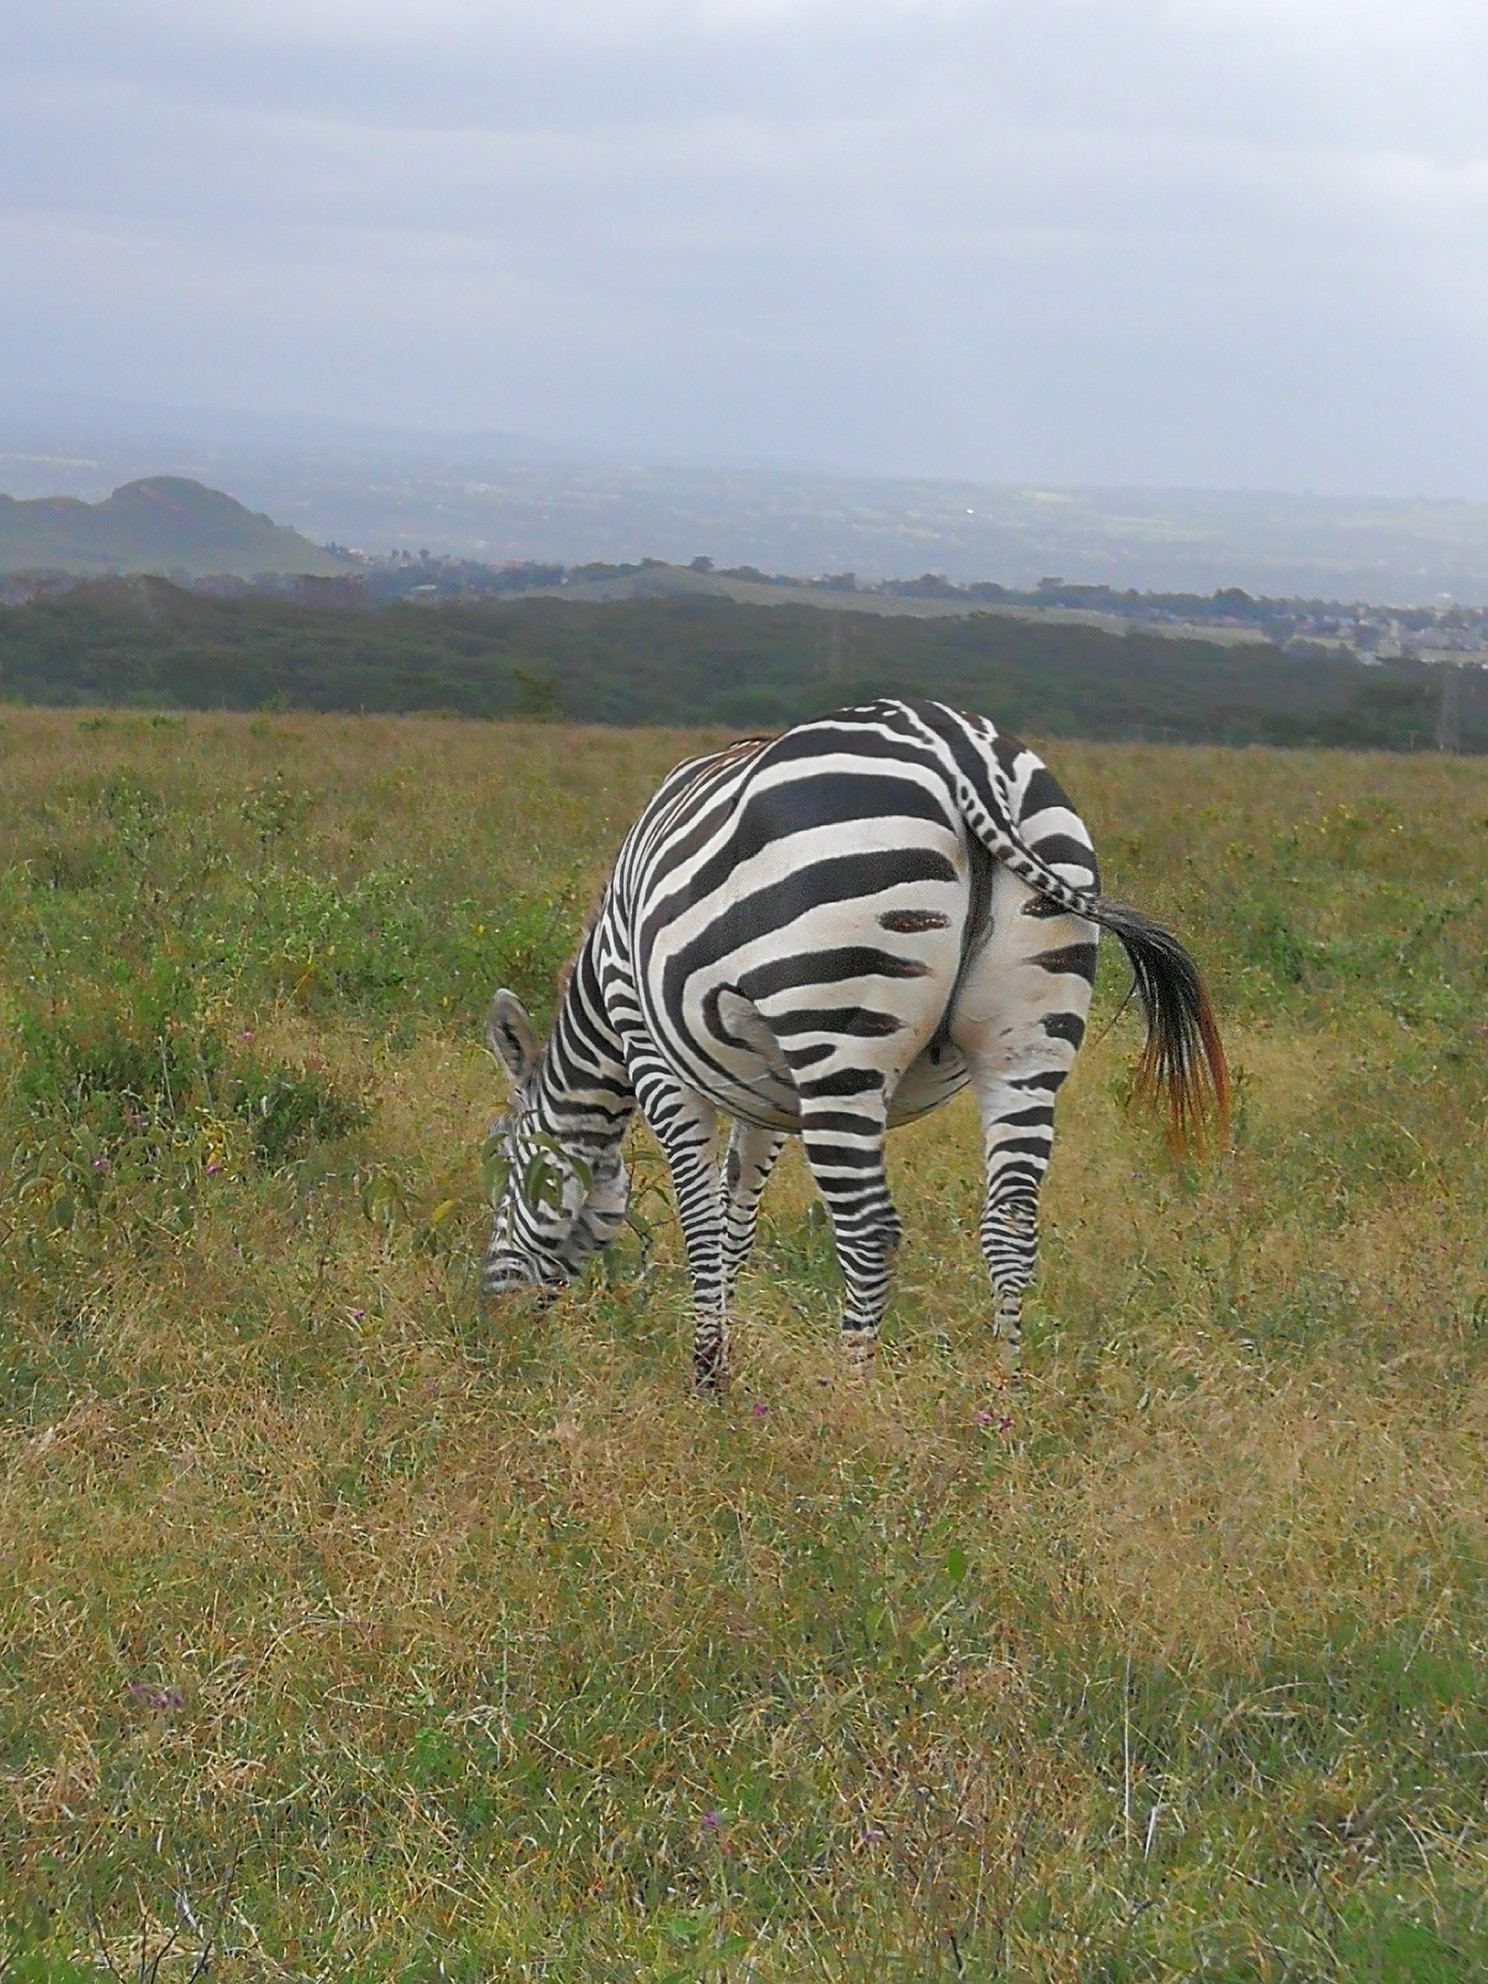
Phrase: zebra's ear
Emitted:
{"points": [[510, 1036]]}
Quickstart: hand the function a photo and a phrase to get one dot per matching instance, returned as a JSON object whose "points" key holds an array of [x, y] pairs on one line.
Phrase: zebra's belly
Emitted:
{"points": [[764, 1103], [933, 1078], [938, 1074]]}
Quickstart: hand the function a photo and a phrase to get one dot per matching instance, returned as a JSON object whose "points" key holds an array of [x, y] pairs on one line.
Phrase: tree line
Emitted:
{"points": [[147, 643]]}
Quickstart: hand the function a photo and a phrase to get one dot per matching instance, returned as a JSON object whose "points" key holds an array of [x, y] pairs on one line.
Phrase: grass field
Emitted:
{"points": [[358, 1633]]}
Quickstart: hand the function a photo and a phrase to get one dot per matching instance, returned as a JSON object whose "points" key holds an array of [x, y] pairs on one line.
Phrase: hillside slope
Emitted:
{"points": [[658, 580], [164, 524]]}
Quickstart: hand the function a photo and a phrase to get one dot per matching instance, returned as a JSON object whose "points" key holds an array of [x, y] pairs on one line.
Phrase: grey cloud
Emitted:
{"points": [[1089, 239], [1084, 63]]}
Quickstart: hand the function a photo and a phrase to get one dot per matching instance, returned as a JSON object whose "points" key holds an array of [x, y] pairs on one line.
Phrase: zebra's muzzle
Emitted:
{"points": [[510, 1274]]}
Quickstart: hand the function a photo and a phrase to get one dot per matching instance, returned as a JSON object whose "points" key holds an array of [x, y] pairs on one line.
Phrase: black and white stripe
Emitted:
{"points": [[823, 935]]}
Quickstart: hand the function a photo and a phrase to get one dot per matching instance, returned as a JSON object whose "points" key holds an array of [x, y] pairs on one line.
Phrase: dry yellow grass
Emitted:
{"points": [[463, 1644]]}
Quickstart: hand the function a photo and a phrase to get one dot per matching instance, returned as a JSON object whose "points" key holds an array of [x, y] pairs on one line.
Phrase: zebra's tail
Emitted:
{"points": [[1183, 1064], [1183, 1059]]}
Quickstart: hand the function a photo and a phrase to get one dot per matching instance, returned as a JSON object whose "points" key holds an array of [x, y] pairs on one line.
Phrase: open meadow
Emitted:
{"points": [[353, 1631]]}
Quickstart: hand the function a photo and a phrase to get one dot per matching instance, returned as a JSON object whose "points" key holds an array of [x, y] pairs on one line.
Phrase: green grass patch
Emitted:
{"points": [[349, 1629]]}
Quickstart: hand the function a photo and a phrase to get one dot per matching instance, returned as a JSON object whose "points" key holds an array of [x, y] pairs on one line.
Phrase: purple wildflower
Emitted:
{"points": [[168, 1699]]}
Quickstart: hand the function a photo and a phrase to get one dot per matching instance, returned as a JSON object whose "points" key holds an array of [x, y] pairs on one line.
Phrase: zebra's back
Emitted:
{"points": [[800, 915]]}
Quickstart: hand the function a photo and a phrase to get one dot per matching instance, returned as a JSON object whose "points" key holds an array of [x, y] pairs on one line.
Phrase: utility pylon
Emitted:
{"points": [[1448, 728], [834, 645]]}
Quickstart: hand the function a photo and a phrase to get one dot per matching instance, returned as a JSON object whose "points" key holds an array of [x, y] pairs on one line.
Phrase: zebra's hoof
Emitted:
{"points": [[711, 1371], [859, 1346]]}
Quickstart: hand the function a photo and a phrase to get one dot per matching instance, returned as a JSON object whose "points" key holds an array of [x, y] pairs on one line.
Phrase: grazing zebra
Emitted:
{"points": [[823, 935]]}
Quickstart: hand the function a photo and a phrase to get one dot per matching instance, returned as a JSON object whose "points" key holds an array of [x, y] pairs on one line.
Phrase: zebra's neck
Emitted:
{"points": [[583, 1096]]}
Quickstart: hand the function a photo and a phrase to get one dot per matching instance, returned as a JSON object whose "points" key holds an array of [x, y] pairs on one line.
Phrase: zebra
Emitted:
{"points": [[826, 934]]}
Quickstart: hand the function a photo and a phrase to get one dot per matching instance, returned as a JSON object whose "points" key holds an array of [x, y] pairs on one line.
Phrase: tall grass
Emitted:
{"points": [[357, 1632]]}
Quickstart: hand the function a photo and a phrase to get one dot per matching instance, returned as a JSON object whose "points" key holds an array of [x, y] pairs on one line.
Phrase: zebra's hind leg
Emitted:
{"points": [[1018, 1022], [685, 1124], [844, 1145], [1017, 1112], [751, 1158]]}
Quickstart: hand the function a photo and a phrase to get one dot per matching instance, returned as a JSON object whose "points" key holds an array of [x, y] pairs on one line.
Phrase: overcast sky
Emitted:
{"points": [[1233, 243]]}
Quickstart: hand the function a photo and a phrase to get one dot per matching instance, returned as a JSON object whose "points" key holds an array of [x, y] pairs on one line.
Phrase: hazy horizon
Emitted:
{"points": [[92, 435], [506, 501]]}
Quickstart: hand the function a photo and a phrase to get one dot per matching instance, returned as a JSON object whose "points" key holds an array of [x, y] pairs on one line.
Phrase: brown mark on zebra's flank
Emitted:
{"points": [[909, 921], [1043, 906], [871, 1026], [1078, 959]]}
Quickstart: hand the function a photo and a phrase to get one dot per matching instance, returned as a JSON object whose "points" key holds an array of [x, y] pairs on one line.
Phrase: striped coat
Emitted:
{"points": [[823, 935]]}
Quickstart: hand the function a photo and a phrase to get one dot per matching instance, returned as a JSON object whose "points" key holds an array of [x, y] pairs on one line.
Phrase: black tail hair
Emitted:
{"points": [[1183, 1061]]}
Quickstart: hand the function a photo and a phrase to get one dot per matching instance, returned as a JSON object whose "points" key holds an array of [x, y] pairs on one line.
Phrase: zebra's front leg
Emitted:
{"points": [[685, 1124], [844, 1146], [751, 1158]]}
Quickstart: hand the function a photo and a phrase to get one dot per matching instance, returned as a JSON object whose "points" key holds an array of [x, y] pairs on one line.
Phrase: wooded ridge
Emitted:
{"points": [[148, 643]]}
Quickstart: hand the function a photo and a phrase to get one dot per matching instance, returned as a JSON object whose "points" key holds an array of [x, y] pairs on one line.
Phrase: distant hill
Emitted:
{"points": [[499, 509], [165, 524]]}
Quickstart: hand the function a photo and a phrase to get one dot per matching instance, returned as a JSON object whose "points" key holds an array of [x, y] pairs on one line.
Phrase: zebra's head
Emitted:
{"points": [[555, 1204]]}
